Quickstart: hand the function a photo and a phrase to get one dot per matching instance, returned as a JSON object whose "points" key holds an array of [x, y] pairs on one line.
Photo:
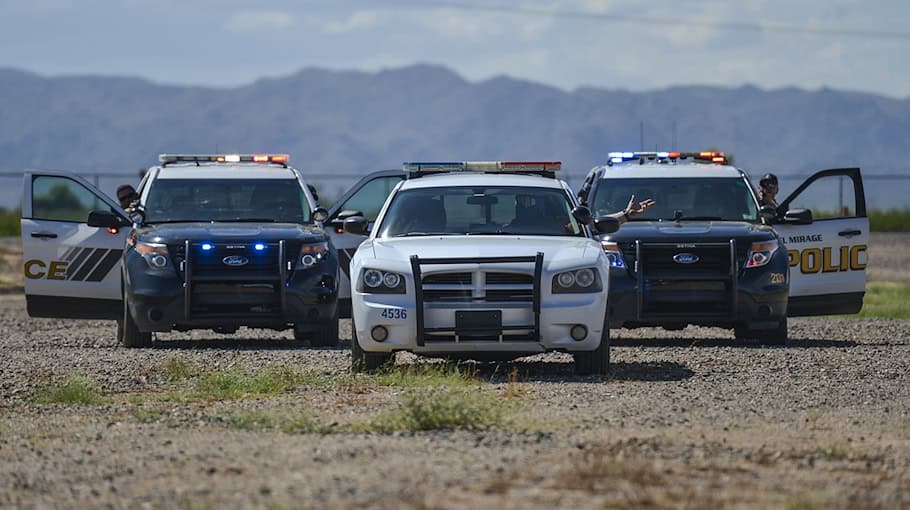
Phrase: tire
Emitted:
{"points": [[323, 334], [128, 333], [596, 362], [362, 361], [776, 336]]}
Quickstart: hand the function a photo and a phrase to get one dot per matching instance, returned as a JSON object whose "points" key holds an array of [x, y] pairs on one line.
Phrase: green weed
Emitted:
{"points": [[74, 390], [10, 225], [442, 408], [179, 369], [889, 300]]}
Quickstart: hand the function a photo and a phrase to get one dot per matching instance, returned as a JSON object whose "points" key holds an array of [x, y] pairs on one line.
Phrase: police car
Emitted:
{"points": [[215, 242], [708, 254], [485, 260]]}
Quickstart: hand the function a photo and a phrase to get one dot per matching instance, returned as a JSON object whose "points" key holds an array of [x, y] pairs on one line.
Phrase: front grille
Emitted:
{"points": [[234, 279], [448, 279], [670, 289], [493, 287]]}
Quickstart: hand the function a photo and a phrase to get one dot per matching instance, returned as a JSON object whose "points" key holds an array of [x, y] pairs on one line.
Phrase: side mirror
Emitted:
{"points": [[798, 217], [106, 219], [582, 214], [338, 220], [606, 225], [357, 225], [767, 213], [320, 214], [313, 192]]}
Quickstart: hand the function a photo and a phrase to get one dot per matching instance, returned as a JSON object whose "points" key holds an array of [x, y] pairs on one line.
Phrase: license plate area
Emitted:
{"points": [[478, 323]]}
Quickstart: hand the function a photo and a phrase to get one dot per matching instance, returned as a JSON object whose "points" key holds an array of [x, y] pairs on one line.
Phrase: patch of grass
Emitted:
{"points": [[236, 383], [149, 415], [9, 222], [812, 417], [179, 369], [442, 409], [834, 452], [425, 375], [890, 220], [74, 390], [292, 423], [889, 300]]}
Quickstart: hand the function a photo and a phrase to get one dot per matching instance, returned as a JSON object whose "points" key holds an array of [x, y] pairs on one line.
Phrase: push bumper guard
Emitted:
{"points": [[417, 262]]}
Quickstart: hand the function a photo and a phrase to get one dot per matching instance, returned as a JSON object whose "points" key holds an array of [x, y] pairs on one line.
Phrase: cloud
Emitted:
{"points": [[254, 21], [358, 20]]}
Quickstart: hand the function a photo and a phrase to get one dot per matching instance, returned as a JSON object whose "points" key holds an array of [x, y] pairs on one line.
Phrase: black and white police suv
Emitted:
{"points": [[707, 254], [215, 242], [483, 260]]}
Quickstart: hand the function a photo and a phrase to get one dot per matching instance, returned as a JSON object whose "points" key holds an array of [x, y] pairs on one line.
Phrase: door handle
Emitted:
{"points": [[44, 235], [849, 233]]}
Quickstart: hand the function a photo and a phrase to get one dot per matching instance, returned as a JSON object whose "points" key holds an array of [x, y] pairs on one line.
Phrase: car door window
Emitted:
{"points": [[62, 199], [829, 197], [370, 198]]}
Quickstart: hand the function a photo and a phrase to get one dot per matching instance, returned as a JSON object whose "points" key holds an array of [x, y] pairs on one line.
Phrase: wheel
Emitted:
{"points": [[127, 331], [596, 362], [362, 361], [776, 336], [322, 334]]}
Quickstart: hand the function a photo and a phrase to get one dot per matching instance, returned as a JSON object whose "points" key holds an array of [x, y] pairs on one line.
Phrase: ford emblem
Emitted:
{"points": [[235, 260], [685, 258]]}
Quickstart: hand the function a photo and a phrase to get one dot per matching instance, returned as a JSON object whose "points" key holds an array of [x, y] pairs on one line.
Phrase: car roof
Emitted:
{"points": [[655, 170], [225, 171], [480, 179]]}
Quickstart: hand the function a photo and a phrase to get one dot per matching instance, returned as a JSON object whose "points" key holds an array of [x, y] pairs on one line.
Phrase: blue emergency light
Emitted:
{"points": [[259, 247], [207, 246]]}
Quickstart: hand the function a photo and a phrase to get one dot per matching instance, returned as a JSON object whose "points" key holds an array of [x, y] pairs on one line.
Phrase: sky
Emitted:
{"points": [[627, 44]]}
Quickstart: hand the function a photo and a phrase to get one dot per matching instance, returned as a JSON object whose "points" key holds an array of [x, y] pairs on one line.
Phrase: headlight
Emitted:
{"points": [[614, 255], [760, 253], [155, 254], [374, 280], [313, 253], [578, 280]]}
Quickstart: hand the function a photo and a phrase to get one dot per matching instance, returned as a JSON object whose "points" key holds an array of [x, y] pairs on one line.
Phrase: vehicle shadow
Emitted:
{"points": [[557, 372], [802, 343], [242, 344]]}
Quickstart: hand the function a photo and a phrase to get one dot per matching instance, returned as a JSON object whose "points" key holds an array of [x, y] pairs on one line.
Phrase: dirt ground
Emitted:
{"points": [[687, 419]]}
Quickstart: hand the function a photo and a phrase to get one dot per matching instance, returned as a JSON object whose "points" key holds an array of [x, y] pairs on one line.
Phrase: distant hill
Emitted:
{"points": [[353, 122]]}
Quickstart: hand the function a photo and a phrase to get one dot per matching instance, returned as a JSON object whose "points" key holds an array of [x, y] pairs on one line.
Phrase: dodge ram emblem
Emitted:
{"points": [[235, 260], [685, 258]]}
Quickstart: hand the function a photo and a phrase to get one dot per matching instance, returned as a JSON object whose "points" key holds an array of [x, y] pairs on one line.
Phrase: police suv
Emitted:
{"points": [[708, 254], [214, 242], [486, 260]]}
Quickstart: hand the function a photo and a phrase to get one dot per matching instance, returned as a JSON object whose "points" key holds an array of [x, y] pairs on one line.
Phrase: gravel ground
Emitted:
{"points": [[689, 419]]}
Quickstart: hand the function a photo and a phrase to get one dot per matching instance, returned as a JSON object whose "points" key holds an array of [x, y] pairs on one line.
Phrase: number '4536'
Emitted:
{"points": [[394, 313]]}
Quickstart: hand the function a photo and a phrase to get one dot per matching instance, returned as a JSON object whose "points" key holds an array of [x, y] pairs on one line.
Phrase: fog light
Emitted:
{"points": [[379, 333], [159, 261], [579, 332]]}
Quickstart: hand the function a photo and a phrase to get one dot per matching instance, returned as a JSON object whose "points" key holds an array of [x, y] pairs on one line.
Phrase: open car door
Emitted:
{"points": [[365, 198], [826, 245], [72, 270]]}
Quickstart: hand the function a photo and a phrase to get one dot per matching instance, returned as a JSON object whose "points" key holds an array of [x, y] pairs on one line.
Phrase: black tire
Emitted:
{"points": [[321, 334], [362, 361], [776, 336], [596, 362], [128, 333]]}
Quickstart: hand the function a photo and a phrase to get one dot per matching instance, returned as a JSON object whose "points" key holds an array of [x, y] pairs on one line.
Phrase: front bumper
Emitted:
{"points": [[163, 301]]}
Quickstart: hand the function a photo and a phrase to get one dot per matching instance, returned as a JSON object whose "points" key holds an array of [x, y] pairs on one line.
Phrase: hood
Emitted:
{"points": [[558, 251], [170, 233], [690, 231]]}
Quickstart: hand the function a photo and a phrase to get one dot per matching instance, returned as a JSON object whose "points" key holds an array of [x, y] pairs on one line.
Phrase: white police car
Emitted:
{"points": [[483, 260]]}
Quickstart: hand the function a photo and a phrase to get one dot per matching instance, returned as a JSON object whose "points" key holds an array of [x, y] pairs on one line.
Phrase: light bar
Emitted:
{"points": [[483, 166], [223, 158], [614, 158]]}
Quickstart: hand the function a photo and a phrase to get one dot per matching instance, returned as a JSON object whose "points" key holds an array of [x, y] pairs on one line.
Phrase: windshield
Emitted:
{"points": [[710, 198], [480, 210], [253, 200]]}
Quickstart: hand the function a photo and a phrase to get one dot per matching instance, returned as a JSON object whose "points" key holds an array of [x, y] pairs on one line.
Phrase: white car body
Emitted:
{"points": [[402, 316]]}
